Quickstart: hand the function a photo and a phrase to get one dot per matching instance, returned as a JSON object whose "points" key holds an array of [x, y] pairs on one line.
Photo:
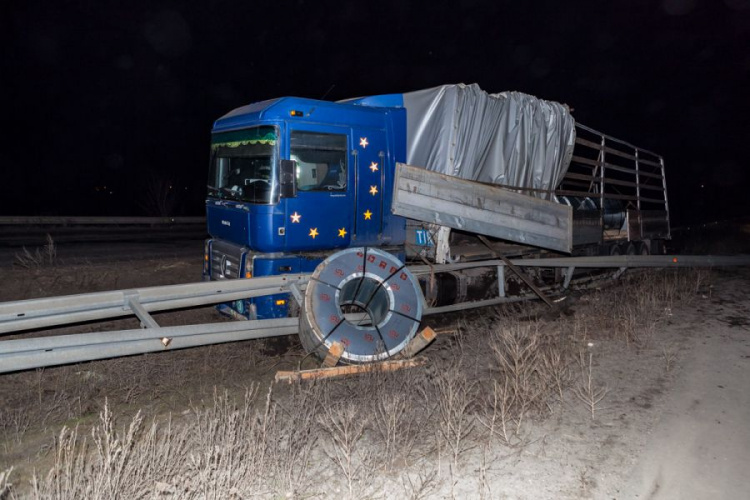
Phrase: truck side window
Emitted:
{"points": [[321, 160]]}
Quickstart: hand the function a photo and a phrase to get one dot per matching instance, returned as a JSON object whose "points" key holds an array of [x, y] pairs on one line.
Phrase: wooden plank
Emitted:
{"points": [[334, 354], [481, 208], [574, 184], [582, 177], [568, 192], [632, 198], [446, 330], [648, 162], [419, 342], [607, 149], [618, 182], [585, 161], [348, 370], [618, 168], [654, 200], [648, 174], [591, 144], [619, 153]]}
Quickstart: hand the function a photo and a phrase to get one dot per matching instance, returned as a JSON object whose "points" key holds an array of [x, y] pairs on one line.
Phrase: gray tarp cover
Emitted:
{"points": [[508, 138]]}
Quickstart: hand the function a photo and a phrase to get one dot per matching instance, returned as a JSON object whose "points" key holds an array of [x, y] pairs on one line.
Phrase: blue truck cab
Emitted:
{"points": [[291, 180]]}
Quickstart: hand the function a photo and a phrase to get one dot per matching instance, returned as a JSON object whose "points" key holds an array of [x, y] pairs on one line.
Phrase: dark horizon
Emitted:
{"points": [[105, 102]]}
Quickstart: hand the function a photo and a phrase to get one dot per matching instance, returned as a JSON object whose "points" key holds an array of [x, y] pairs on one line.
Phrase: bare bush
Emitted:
{"points": [[6, 487], [158, 196], [497, 416], [557, 367], [40, 257], [224, 450], [292, 437], [455, 399], [517, 351], [396, 409], [420, 485], [587, 391], [344, 426], [229, 449], [103, 474], [669, 354], [14, 423], [393, 426]]}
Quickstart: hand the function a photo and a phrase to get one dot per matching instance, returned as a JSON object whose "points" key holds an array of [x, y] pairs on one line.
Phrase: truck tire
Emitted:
{"points": [[365, 299]]}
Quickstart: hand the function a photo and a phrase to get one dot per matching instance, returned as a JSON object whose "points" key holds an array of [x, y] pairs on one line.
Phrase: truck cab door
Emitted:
{"points": [[369, 156], [320, 215]]}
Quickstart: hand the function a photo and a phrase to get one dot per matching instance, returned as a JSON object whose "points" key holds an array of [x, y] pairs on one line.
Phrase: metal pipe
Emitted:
{"points": [[20, 324], [594, 131], [39, 313], [479, 303], [83, 339], [202, 335], [603, 261]]}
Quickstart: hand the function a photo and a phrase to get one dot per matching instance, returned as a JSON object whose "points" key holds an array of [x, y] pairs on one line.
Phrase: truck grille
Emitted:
{"points": [[225, 260]]}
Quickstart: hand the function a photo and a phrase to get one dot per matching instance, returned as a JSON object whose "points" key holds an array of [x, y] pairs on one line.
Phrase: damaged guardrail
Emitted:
{"points": [[40, 313], [27, 353], [23, 354]]}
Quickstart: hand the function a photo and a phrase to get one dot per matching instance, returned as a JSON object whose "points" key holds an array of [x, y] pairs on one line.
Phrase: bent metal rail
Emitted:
{"points": [[27, 353]]}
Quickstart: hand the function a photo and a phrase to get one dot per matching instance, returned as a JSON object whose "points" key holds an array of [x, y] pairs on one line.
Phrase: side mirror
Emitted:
{"points": [[288, 180]]}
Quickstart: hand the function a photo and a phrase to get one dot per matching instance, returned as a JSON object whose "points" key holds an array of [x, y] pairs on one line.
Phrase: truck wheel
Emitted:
{"points": [[365, 299], [630, 249], [615, 250], [643, 249]]}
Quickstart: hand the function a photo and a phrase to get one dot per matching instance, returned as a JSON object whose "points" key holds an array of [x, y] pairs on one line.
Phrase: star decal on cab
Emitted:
{"points": [[374, 166], [295, 218], [368, 215], [342, 232], [363, 142], [373, 190], [313, 232]]}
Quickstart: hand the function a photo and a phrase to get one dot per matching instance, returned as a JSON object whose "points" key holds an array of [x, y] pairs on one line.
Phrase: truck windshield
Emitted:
{"points": [[244, 165]]}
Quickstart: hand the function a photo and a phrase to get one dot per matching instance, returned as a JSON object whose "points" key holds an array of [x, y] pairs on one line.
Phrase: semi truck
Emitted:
{"points": [[448, 177]]}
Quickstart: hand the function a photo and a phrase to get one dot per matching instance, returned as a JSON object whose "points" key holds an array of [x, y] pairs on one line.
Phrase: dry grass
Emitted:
{"points": [[365, 437], [223, 449], [6, 487], [40, 257], [588, 391]]}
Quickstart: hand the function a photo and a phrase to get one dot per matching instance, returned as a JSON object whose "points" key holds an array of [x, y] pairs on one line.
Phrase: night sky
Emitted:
{"points": [[123, 94]]}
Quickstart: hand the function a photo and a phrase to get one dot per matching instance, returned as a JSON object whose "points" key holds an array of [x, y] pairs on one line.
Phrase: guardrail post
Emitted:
{"points": [[501, 281], [131, 302], [568, 276]]}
